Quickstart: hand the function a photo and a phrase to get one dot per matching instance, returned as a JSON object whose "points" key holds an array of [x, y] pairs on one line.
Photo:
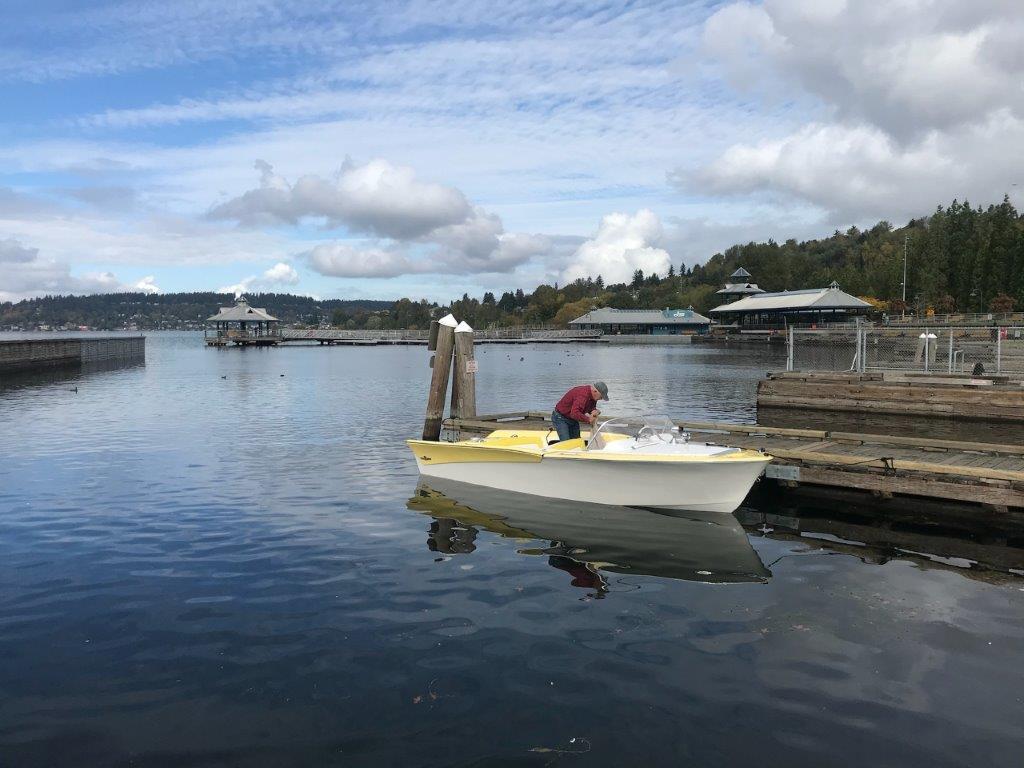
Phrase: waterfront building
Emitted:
{"points": [[740, 284], [658, 322], [243, 324], [813, 306]]}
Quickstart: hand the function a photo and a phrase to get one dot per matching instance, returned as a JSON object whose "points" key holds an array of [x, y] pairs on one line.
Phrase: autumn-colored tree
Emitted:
{"points": [[574, 309], [879, 305], [945, 304], [1001, 304]]}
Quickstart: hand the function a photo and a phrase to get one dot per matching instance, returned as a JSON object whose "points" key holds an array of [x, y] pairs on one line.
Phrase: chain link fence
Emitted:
{"points": [[968, 349]]}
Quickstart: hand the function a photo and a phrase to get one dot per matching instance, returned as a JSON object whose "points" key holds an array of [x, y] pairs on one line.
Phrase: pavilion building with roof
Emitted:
{"points": [[243, 325], [643, 322], [778, 310]]}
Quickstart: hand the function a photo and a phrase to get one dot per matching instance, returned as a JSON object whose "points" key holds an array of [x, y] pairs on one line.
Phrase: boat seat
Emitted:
{"points": [[567, 445]]}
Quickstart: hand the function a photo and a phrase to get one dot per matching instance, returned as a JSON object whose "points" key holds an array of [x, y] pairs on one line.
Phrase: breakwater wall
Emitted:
{"points": [[647, 338], [33, 354]]}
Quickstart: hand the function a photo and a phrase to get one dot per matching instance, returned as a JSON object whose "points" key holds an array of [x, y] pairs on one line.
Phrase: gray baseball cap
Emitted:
{"points": [[601, 387]]}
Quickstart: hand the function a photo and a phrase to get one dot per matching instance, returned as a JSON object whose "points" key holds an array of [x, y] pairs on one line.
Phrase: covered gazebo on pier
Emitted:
{"points": [[243, 325]]}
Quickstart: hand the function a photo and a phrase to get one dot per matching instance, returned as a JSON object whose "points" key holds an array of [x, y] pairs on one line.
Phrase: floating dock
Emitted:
{"points": [[942, 395], [34, 354], [986, 474]]}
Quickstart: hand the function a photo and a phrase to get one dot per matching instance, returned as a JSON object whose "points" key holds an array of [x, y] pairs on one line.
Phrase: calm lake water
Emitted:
{"points": [[223, 558]]}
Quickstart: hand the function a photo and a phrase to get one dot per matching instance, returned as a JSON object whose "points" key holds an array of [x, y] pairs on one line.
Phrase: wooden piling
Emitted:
{"points": [[464, 376], [441, 364]]}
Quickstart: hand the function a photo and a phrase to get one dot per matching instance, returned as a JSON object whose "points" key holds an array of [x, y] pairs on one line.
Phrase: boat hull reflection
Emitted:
{"points": [[707, 547]]}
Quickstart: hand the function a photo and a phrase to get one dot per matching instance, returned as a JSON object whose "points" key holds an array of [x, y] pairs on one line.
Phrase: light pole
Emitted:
{"points": [[980, 297], [906, 239]]}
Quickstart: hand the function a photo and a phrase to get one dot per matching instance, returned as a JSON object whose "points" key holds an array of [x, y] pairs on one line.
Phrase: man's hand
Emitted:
{"points": [[595, 413]]}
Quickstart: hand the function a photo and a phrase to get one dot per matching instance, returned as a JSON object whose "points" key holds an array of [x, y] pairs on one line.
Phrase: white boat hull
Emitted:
{"points": [[701, 487]]}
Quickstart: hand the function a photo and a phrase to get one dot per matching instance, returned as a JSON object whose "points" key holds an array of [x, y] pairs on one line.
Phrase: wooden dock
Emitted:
{"points": [[987, 474], [941, 395]]}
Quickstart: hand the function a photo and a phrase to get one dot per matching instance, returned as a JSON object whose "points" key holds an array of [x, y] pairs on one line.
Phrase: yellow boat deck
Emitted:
{"points": [[532, 445]]}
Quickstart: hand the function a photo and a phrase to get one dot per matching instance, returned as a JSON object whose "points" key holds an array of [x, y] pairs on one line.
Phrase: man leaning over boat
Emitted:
{"points": [[578, 405]]}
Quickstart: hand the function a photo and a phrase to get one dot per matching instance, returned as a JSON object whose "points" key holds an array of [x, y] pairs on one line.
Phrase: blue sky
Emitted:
{"points": [[346, 149]]}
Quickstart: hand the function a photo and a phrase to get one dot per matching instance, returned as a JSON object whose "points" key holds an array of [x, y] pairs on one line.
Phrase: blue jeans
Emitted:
{"points": [[567, 429]]}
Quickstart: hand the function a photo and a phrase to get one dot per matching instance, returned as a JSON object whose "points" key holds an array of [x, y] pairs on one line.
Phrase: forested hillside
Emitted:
{"points": [[111, 311], [959, 259]]}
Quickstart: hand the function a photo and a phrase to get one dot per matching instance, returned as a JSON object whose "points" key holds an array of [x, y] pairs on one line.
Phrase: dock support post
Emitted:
{"points": [[464, 375], [789, 350], [949, 355], [441, 364]]}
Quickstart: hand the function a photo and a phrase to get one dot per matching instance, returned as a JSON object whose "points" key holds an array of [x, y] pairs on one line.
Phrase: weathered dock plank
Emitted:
{"points": [[951, 396]]}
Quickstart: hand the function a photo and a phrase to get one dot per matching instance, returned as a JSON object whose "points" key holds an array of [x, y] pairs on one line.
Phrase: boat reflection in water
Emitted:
{"points": [[588, 539]]}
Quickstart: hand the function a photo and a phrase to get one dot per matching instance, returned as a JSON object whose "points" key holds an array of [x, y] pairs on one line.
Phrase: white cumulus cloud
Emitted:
{"points": [[278, 276], [421, 227], [343, 260], [916, 102], [376, 198], [146, 285], [622, 245], [25, 274]]}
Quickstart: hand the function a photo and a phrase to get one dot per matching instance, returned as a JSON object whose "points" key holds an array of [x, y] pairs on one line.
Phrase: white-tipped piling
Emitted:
{"points": [[464, 378]]}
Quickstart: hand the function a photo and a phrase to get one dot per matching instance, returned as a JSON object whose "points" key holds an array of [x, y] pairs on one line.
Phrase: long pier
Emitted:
{"points": [[330, 336], [986, 474], [34, 354], [338, 337]]}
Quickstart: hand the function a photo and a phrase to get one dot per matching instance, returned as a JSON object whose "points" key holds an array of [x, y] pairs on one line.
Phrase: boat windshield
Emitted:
{"points": [[650, 428]]}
